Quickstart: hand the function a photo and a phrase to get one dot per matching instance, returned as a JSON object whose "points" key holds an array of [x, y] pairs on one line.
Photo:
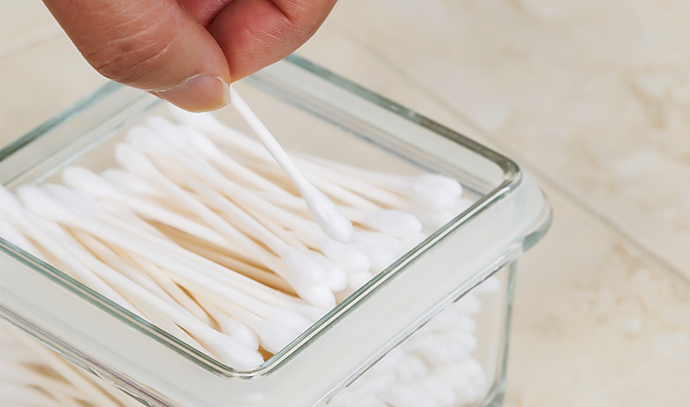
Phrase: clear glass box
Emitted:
{"points": [[320, 113]]}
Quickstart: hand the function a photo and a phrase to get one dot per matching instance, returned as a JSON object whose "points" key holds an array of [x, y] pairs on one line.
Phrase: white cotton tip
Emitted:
{"points": [[344, 399], [462, 205], [148, 141], [12, 235], [77, 200], [346, 256], [438, 390], [379, 257], [491, 285], [466, 340], [233, 353], [458, 351], [431, 197], [134, 160], [394, 222], [202, 144], [336, 277], [435, 220], [468, 305], [381, 249], [302, 269], [130, 183], [449, 321], [310, 312], [331, 220], [378, 240], [290, 319], [169, 131], [42, 203], [84, 180], [411, 368], [370, 401], [413, 241], [317, 295], [400, 395], [356, 280], [452, 186], [473, 369], [274, 336], [11, 207], [380, 383], [453, 375], [433, 349], [234, 328]]}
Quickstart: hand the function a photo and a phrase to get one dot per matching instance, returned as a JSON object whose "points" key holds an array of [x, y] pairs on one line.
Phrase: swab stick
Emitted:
{"points": [[231, 326], [325, 213], [208, 150], [29, 225], [83, 179], [168, 285]]}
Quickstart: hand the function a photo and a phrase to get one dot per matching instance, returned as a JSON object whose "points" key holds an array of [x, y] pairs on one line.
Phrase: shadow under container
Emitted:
{"points": [[315, 111]]}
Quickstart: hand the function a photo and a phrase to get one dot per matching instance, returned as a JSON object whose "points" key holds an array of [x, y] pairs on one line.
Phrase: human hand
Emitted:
{"points": [[187, 51]]}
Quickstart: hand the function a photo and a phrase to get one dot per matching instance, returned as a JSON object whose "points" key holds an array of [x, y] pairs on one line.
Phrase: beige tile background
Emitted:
{"points": [[591, 97]]}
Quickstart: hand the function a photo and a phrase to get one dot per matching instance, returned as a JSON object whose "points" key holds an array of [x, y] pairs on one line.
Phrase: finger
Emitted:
{"points": [[256, 33], [154, 45]]}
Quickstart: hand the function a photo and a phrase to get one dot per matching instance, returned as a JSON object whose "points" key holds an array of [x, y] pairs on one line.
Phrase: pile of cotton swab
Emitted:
{"points": [[32, 376], [201, 233], [432, 368]]}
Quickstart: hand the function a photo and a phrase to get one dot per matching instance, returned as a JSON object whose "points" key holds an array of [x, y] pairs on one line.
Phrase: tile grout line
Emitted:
{"points": [[572, 195]]}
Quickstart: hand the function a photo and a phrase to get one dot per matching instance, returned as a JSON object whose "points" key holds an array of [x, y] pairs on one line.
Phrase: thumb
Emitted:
{"points": [[154, 45]]}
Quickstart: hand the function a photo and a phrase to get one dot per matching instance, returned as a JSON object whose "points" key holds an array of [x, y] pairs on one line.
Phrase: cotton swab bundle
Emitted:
{"points": [[32, 375], [213, 243], [434, 367]]}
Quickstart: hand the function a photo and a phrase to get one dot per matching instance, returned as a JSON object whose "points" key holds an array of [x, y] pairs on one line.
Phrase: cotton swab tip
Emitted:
{"points": [[394, 222], [234, 353], [331, 220], [42, 203]]}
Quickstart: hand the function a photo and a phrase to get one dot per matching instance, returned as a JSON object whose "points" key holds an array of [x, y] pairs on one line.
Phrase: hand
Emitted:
{"points": [[187, 51]]}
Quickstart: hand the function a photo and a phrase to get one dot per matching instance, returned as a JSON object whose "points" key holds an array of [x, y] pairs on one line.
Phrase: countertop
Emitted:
{"points": [[592, 98]]}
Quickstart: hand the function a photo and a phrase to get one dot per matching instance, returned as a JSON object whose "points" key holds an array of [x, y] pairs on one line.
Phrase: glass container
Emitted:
{"points": [[314, 111]]}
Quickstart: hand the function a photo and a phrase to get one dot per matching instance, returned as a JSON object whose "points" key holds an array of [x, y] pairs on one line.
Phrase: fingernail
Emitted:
{"points": [[198, 94]]}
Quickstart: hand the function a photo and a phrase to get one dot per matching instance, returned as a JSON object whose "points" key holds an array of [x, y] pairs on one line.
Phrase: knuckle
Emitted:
{"points": [[133, 57]]}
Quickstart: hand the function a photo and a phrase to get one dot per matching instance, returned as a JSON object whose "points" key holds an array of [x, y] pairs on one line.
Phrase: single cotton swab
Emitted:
{"points": [[325, 213]]}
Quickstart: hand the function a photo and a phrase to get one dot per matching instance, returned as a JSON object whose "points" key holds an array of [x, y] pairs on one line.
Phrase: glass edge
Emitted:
{"points": [[509, 167], [106, 305]]}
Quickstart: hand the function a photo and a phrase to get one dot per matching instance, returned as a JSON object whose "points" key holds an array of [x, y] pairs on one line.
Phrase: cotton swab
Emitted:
{"points": [[325, 213]]}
